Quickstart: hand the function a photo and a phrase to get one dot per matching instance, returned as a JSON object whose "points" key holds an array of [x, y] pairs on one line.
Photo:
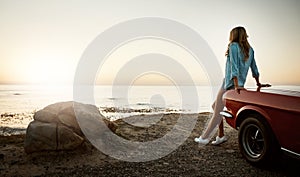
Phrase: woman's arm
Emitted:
{"points": [[234, 66], [258, 84], [253, 66]]}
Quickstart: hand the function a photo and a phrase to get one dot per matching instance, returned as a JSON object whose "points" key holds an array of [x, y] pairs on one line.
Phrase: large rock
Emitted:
{"points": [[56, 128], [62, 113]]}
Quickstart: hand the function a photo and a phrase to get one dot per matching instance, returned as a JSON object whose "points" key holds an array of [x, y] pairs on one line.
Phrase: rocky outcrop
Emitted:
{"points": [[56, 128]]}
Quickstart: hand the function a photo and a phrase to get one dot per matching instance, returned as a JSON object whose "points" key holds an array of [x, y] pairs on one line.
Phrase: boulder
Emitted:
{"points": [[56, 126], [62, 113], [40, 136]]}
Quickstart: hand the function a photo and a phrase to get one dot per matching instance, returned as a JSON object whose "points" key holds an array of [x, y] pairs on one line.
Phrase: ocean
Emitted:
{"points": [[19, 102], [29, 98]]}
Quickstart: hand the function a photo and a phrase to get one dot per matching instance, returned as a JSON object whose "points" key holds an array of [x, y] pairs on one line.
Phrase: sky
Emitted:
{"points": [[41, 42]]}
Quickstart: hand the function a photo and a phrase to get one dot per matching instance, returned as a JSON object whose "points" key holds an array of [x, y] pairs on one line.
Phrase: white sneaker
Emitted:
{"points": [[219, 140], [201, 141]]}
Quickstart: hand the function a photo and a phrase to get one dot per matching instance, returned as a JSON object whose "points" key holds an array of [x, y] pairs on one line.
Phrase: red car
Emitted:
{"points": [[268, 120]]}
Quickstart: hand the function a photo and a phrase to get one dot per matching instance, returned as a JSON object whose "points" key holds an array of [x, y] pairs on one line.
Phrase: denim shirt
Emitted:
{"points": [[236, 66]]}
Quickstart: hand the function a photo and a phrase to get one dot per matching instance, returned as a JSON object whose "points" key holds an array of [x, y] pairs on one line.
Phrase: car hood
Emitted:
{"points": [[282, 90]]}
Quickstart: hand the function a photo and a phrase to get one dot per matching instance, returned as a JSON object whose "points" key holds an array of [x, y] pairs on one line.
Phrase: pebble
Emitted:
{"points": [[230, 150]]}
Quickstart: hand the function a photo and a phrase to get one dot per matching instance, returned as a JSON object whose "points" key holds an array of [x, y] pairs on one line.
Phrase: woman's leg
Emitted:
{"points": [[216, 118], [221, 129]]}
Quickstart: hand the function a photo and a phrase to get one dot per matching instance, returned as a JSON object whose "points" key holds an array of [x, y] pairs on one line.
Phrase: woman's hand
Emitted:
{"points": [[238, 89], [259, 86], [263, 85]]}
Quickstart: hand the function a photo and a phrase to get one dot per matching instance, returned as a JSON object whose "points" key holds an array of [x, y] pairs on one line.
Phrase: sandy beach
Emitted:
{"points": [[187, 160]]}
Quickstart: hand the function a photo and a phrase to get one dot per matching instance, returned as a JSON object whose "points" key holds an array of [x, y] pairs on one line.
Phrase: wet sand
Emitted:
{"points": [[187, 160]]}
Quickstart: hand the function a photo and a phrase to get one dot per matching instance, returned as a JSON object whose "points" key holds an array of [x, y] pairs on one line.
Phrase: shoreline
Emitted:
{"points": [[16, 123]]}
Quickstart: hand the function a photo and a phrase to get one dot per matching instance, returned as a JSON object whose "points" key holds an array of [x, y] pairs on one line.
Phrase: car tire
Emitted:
{"points": [[256, 140]]}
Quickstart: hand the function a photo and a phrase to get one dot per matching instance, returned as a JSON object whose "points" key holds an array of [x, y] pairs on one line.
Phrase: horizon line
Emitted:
{"points": [[196, 84]]}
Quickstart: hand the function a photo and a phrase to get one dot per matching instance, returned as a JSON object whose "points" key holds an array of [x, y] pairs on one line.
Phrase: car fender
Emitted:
{"points": [[251, 108]]}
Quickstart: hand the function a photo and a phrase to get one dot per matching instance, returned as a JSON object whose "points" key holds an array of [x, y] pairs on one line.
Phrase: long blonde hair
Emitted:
{"points": [[239, 35]]}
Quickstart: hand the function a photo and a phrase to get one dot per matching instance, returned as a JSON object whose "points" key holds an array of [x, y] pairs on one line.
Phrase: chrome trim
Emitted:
{"points": [[291, 152], [226, 114]]}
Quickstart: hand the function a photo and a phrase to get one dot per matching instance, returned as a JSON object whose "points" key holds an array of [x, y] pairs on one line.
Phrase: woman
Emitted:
{"points": [[240, 57]]}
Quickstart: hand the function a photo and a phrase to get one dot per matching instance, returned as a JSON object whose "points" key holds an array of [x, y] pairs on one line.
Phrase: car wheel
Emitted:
{"points": [[256, 140]]}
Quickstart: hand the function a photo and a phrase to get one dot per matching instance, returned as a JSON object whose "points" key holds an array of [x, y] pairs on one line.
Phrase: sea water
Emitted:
{"points": [[126, 99], [29, 98], [19, 102]]}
